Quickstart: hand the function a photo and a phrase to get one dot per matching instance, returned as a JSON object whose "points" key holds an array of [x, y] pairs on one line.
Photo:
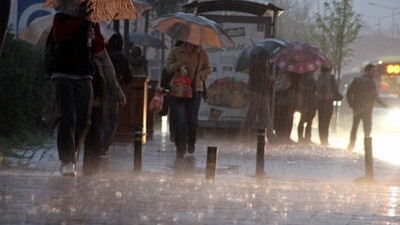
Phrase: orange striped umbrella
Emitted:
{"points": [[193, 29], [96, 10]]}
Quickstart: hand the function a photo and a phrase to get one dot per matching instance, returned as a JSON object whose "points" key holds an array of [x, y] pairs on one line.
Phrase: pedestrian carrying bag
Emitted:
{"points": [[181, 85]]}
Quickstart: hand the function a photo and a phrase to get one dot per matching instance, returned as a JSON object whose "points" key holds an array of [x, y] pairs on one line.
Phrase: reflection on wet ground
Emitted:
{"points": [[303, 184]]}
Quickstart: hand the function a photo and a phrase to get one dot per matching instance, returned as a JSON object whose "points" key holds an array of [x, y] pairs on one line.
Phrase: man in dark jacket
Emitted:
{"points": [[361, 96], [77, 40]]}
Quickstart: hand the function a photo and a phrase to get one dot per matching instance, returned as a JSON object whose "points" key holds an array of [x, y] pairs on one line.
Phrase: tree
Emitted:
{"points": [[295, 22], [337, 27]]}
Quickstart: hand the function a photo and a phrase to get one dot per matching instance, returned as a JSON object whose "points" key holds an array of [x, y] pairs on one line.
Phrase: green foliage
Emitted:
{"points": [[337, 27], [295, 23], [25, 89], [162, 7]]}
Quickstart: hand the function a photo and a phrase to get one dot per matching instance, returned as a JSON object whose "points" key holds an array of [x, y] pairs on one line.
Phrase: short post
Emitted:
{"points": [[369, 159], [137, 156], [260, 152], [212, 154]]}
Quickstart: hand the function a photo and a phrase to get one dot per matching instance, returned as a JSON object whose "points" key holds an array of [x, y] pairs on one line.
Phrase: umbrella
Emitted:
{"points": [[258, 52], [36, 33], [142, 5], [96, 10], [145, 39], [194, 29], [299, 57]]}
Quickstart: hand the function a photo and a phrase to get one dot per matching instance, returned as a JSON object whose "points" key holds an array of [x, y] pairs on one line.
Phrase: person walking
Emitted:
{"points": [[77, 40], [327, 93], [307, 108], [287, 90], [361, 96], [259, 89], [138, 62], [186, 110], [115, 94]]}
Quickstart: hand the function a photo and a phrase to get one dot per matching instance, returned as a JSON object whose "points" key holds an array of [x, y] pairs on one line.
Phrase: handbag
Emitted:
{"points": [[181, 85], [157, 101], [337, 96]]}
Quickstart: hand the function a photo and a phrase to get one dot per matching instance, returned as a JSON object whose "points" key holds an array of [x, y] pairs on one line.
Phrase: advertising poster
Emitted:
{"points": [[226, 89]]}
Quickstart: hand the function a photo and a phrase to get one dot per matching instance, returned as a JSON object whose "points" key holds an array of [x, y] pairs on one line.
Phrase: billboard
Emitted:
{"points": [[28, 10]]}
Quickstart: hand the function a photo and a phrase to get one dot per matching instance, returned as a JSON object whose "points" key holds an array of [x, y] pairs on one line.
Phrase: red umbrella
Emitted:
{"points": [[299, 57]]}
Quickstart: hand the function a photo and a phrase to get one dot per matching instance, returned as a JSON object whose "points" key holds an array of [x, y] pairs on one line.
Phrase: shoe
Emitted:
{"points": [[309, 142], [350, 146], [180, 151], [325, 143], [191, 148], [290, 142], [105, 154], [68, 169]]}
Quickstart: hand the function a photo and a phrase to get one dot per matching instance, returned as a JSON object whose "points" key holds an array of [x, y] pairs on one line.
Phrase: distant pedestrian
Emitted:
{"points": [[287, 90], [259, 91], [361, 96], [138, 62], [308, 107], [327, 93]]}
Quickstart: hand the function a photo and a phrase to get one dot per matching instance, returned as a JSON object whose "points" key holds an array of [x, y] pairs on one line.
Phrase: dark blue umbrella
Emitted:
{"points": [[146, 40], [258, 52]]}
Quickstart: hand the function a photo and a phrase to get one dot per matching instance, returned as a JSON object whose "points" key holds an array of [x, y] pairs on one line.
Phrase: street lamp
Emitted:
{"points": [[378, 18], [393, 15]]}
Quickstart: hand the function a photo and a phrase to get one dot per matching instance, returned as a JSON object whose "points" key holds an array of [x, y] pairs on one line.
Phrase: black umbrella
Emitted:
{"points": [[258, 52]]}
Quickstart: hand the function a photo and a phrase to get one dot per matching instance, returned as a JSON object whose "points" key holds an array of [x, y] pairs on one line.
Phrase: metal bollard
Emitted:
{"points": [[260, 152], [369, 159], [137, 156], [212, 155]]}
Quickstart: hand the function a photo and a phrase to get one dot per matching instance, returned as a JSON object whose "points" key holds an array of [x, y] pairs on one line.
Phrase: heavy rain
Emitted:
{"points": [[199, 112]]}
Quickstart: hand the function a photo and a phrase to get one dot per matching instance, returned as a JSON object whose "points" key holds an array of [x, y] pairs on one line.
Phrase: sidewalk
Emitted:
{"points": [[302, 185]]}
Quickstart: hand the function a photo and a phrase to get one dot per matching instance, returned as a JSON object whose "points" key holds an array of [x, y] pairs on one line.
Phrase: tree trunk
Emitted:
{"points": [[4, 17], [339, 59]]}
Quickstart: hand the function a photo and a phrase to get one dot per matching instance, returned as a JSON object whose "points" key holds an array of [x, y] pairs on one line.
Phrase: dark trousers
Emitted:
{"points": [[74, 100], [186, 122], [283, 121], [325, 110], [93, 143], [366, 117], [110, 125]]}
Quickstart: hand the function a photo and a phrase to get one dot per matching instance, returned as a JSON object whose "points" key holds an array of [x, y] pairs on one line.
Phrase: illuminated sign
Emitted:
{"points": [[393, 68]]}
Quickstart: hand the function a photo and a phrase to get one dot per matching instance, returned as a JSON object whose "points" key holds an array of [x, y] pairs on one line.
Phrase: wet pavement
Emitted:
{"points": [[303, 184]]}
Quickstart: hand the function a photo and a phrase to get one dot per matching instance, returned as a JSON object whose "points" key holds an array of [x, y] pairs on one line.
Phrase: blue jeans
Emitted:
{"points": [[185, 120], [74, 102]]}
